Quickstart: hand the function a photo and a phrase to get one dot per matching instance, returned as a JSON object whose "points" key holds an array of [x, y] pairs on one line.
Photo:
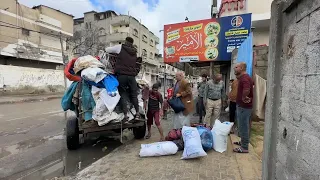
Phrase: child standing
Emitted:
{"points": [[154, 111]]}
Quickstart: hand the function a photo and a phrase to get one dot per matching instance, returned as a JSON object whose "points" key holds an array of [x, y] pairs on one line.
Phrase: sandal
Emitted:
{"points": [[237, 143], [148, 136], [240, 150]]}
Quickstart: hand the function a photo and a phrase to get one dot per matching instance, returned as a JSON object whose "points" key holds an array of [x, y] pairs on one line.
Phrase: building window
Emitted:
{"points": [[127, 25], [135, 32], [151, 42], [25, 32], [90, 25], [151, 55], [102, 32], [144, 53], [144, 38], [86, 25]]}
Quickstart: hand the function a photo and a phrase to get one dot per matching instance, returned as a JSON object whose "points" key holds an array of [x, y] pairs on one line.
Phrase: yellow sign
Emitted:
{"points": [[240, 32], [193, 28]]}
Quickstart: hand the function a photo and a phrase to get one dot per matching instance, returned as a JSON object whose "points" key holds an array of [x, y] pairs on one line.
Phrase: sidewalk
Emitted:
{"points": [[125, 163], [28, 98]]}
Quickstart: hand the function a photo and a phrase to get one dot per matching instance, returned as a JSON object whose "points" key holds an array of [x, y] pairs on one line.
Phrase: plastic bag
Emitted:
{"points": [[180, 120], [206, 138], [220, 133], [174, 134], [176, 104], [93, 74], [111, 84], [158, 149], [227, 109], [179, 143], [192, 143]]}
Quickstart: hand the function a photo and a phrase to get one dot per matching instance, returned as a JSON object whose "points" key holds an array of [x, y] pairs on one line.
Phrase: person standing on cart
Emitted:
{"points": [[125, 70]]}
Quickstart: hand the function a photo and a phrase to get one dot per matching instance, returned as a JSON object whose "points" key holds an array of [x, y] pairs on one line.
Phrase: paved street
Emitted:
{"points": [[125, 163], [33, 146]]}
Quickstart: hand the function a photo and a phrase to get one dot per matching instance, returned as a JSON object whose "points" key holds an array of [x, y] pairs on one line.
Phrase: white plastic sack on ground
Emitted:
{"points": [[220, 133], [109, 101], [93, 74], [192, 143], [179, 120], [158, 149]]}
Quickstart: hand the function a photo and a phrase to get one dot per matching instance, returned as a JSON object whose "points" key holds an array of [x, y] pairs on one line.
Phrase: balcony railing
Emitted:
{"points": [[120, 36]]}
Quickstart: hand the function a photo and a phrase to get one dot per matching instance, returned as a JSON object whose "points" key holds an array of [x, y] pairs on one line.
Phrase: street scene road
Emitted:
{"points": [[228, 90], [33, 146]]}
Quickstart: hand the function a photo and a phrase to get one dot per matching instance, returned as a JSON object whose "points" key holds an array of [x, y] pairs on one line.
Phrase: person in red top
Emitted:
{"points": [[170, 92], [153, 104], [244, 106]]}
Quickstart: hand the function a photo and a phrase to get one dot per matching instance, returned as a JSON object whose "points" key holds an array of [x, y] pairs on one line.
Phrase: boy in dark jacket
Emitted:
{"points": [[154, 111]]}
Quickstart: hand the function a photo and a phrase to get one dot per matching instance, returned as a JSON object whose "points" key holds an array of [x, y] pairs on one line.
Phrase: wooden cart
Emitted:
{"points": [[77, 126]]}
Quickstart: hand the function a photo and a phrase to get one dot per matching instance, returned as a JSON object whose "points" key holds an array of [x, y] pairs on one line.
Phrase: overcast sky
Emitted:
{"points": [[153, 13]]}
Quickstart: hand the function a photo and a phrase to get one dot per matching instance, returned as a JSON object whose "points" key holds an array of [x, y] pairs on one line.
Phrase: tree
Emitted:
{"points": [[86, 42]]}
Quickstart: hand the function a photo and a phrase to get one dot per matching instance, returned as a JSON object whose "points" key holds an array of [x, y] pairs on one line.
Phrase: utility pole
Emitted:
{"points": [[64, 60]]}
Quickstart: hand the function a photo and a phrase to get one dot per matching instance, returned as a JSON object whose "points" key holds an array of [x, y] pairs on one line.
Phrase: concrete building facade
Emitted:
{"points": [[260, 16], [109, 29], [30, 43], [292, 123]]}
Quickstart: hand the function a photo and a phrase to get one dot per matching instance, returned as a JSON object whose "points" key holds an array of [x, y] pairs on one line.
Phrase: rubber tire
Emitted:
{"points": [[139, 132], [72, 133]]}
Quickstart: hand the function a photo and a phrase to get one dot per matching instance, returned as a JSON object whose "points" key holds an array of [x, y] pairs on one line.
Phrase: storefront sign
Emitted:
{"points": [[205, 40]]}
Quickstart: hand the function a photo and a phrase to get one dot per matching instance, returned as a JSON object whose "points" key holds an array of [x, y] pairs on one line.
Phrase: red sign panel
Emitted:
{"points": [[191, 41]]}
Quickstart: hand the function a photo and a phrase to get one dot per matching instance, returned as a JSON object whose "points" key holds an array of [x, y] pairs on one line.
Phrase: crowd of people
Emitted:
{"points": [[212, 96]]}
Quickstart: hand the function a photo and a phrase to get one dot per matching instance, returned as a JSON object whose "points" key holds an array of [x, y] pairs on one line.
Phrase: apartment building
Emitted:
{"points": [[96, 30], [261, 13], [30, 46]]}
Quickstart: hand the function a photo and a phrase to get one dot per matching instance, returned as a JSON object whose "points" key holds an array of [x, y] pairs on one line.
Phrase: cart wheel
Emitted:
{"points": [[139, 132], [72, 133]]}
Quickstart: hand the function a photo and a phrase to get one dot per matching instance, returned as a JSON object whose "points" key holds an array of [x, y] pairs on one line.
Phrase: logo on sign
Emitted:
{"points": [[236, 21]]}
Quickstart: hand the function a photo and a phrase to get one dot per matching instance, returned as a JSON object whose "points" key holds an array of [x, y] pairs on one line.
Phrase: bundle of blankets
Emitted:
{"points": [[93, 93]]}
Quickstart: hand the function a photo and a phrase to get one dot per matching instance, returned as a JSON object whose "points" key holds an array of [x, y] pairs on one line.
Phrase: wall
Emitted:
{"points": [[260, 61], [17, 78], [261, 36], [292, 124], [35, 45]]}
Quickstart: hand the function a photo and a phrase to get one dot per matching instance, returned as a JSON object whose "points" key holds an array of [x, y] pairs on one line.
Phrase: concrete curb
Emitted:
{"points": [[31, 99], [249, 164]]}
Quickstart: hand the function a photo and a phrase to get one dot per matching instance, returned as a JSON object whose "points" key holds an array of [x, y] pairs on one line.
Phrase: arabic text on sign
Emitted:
{"points": [[193, 40], [192, 28], [232, 33]]}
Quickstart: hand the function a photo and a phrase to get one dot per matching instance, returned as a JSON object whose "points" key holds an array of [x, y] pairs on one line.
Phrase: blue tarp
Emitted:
{"points": [[66, 101], [245, 53], [87, 101]]}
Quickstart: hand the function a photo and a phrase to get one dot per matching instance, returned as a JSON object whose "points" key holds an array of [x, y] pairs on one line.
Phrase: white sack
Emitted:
{"points": [[93, 74], [158, 149], [192, 143], [109, 101], [220, 133]]}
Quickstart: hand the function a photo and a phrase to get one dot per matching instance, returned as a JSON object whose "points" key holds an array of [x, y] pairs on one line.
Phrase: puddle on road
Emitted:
{"points": [[65, 162]]}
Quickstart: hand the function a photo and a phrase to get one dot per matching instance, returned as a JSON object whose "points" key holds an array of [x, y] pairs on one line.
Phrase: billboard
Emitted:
{"points": [[205, 40]]}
